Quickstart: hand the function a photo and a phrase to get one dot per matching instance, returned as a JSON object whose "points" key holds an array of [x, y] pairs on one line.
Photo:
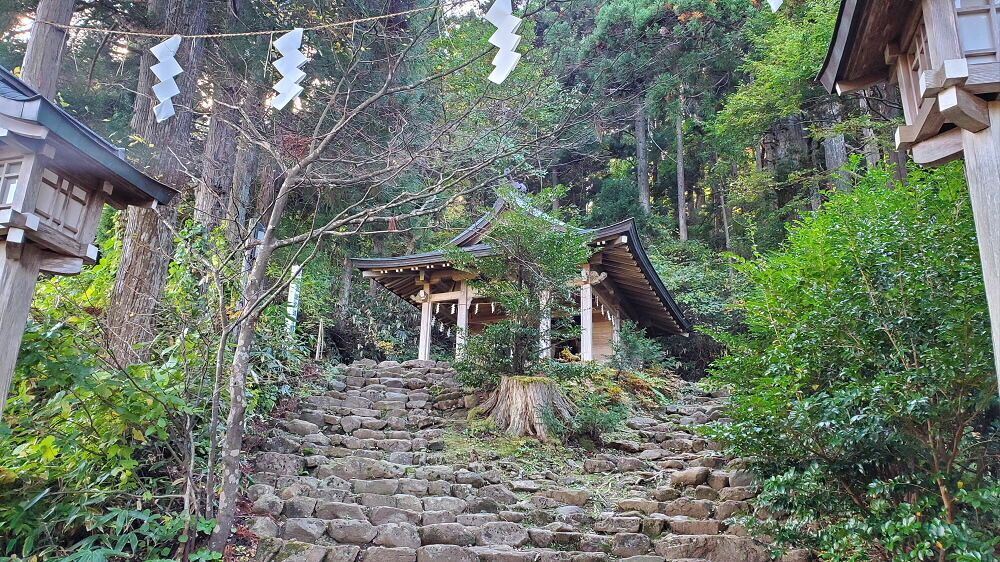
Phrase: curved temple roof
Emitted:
{"points": [[644, 297]]}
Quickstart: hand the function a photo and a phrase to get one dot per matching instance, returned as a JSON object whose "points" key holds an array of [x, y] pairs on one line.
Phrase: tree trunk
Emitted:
{"points": [[642, 153], [148, 244], [835, 149], [872, 154], [725, 217], [244, 176], [554, 172], [214, 191], [344, 306], [255, 296], [520, 406], [43, 57], [681, 190]]}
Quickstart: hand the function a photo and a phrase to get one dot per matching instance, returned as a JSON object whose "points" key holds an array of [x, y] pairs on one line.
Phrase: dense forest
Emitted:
{"points": [[835, 288]]}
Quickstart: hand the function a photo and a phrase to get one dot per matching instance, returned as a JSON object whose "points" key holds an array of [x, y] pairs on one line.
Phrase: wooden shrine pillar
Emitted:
{"points": [[19, 268], [586, 317], [616, 325], [545, 327], [426, 319], [982, 169], [462, 330]]}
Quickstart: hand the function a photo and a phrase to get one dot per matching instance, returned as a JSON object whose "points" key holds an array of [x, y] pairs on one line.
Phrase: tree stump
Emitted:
{"points": [[520, 405]]}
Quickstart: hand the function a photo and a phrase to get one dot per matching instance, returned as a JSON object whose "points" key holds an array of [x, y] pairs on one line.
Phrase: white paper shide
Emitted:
{"points": [[165, 71], [290, 68], [505, 39]]}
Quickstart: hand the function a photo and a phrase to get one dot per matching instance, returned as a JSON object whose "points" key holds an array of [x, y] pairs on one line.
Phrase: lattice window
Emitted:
{"points": [[60, 202], [10, 170], [916, 61], [979, 29]]}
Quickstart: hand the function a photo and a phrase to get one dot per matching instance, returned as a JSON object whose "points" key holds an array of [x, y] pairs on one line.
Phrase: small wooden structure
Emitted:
{"points": [[945, 57], [617, 283], [55, 177]]}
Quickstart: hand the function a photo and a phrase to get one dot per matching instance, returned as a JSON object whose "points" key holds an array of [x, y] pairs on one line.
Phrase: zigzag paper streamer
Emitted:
{"points": [[504, 38], [165, 70], [290, 68], [775, 4]]}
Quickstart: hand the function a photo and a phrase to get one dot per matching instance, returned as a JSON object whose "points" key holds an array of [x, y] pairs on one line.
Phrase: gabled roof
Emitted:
{"points": [[623, 259], [20, 102]]}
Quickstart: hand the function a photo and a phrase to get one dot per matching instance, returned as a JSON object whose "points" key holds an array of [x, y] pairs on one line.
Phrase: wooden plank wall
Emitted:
{"points": [[603, 334]]}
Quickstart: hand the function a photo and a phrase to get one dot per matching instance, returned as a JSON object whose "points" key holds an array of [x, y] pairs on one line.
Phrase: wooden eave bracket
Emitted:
{"points": [[965, 110], [953, 72], [892, 52], [9, 218], [928, 123], [938, 149]]}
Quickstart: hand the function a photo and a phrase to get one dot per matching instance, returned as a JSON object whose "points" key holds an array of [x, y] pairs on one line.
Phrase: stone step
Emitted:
{"points": [[360, 473]]}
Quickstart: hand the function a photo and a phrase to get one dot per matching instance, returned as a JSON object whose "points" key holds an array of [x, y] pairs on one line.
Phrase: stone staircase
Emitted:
{"points": [[359, 473]]}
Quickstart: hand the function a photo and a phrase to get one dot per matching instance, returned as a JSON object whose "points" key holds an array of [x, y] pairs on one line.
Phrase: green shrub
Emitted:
{"points": [[633, 351], [596, 414], [862, 394]]}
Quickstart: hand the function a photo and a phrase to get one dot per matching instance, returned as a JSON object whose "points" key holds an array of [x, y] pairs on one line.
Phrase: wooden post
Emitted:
{"points": [[616, 325], [19, 266], [293, 300], [545, 328], [462, 331], [319, 342], [982, 168], [426, 315], [586, 317]]}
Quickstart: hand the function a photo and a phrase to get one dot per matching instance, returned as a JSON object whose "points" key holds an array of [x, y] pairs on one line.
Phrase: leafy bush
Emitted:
{"points": [[706, 287], [863, 393], [633, 351], [596, 415], [85, 447]]}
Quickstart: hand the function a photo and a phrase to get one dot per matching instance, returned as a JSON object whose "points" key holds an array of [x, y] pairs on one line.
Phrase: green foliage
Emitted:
{"points": [[570, 371], [596, 414], [536, 255], [788, 49], [85, 441], [862, 393], [704, 282], [633, 351], [617, 200]]}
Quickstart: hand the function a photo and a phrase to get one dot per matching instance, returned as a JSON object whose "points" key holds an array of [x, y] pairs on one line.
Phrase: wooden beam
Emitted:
{"points": [[586, 318], [983, 78], [953, 72], [610, 293], [850, 86], [59, 264], [892, 52], [982, 168], [938, 149], [965, 110]]}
